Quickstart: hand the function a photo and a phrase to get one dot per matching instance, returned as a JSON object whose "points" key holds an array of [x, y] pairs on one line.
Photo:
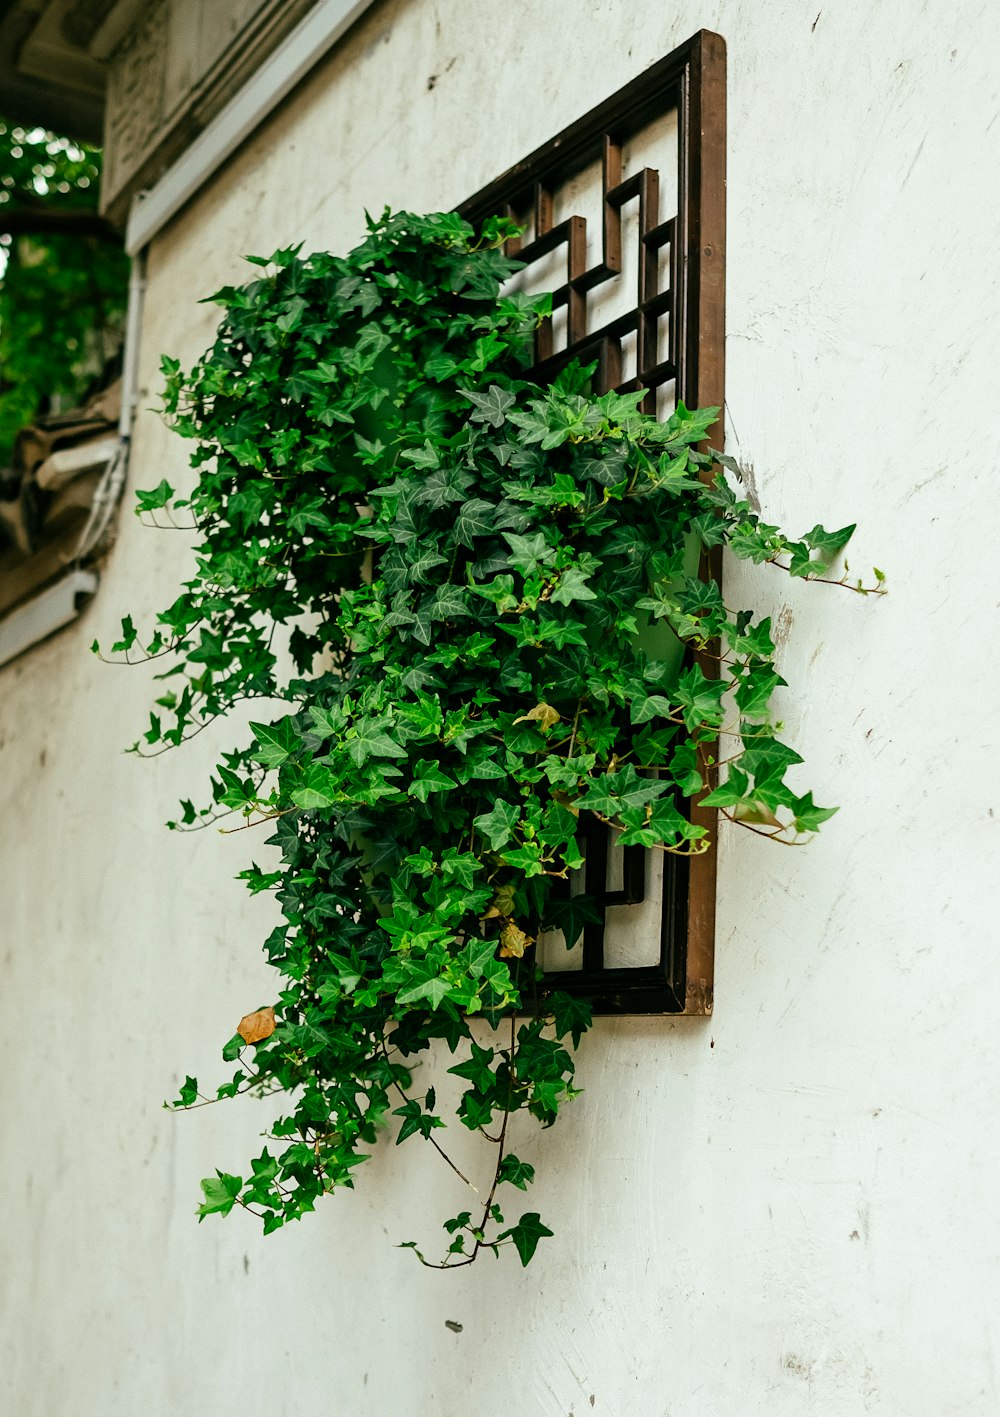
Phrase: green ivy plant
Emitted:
{"points": [[467, 608]]}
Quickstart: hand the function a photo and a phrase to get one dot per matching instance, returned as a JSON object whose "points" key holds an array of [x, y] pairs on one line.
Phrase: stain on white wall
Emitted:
{"points": [[788, 1210]]}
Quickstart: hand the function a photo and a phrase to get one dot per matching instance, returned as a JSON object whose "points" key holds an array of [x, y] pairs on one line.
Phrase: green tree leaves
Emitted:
{"points": [[63, 276]]}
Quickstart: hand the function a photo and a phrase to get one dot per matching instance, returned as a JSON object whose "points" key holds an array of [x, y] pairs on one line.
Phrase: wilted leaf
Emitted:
{"points": [[513, 941], [543, 714], [255, 1027]]}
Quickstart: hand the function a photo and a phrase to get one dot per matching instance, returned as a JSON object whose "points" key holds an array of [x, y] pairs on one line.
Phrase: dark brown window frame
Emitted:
{"points": [[691, 81]]}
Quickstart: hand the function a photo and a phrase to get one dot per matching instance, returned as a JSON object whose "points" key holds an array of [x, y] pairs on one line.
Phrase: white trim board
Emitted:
{"points": [[291, 61], [45, 613]]}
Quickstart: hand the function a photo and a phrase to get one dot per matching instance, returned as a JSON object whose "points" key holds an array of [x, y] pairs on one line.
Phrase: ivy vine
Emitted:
{"points": [[469, 607]]}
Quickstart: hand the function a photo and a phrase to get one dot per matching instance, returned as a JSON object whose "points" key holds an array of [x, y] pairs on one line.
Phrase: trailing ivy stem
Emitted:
{"points": [[777, 836], [576, 721], [843, 583], [267, 817], [439, 1149], [501, 1142], [697, 848]]}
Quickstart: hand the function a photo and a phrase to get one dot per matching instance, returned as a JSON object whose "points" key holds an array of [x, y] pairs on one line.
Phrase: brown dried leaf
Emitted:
{"points": [[254, 1028], [513, 941], [543, 714]]}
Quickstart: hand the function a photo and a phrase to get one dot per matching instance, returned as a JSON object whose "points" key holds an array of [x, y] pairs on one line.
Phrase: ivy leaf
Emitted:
{"points": [[526, 1235], [529, 553], [370, 740], [753, 640], [427, 456], [275, 741], [475, 1111], [826, 544], [572, 586], [475, 957], [129, 636], [753, 693], [762, 755], [498, 824], [427, 779], [690, 425], [317, 788], [700, 699], [415, 1121], [434, 990], [809, 817], [475, 518], [440, 366], [188, 1094], [516, 1172], [648, 706], [609, 470], [221, 1191], [153, 500], [500, 591], [709, 529], [478, 1068], [685, 768], [527, 858], [736, 788], [490, 407], [239, 793], [570, 916], [310, 514], [426, 562], [616, 791], [449, 603], [513, 941], [443, 487], [571, 1015], [264, 1167]]}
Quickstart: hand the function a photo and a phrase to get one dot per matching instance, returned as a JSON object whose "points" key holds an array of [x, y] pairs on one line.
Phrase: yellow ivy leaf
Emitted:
{"points": [[513, 941], [543, 714], [254, 1028]]}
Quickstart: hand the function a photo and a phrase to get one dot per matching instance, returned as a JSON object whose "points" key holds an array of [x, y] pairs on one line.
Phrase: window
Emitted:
{"points": [[635, 256]]}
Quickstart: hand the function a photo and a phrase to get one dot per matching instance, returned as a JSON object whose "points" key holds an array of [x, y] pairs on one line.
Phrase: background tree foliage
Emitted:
{"points": [[63, 276]]}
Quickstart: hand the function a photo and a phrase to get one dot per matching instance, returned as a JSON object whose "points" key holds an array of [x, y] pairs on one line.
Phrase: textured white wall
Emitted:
{"points": [[789, 1210]]}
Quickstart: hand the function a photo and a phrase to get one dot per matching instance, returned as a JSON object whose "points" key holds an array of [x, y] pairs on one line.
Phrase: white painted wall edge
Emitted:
{"points": [[49, 611], [294, 57]]}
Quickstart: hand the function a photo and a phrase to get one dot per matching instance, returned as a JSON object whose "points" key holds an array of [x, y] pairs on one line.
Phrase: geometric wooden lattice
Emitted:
{"points": [[687, 291], [651, 302]]}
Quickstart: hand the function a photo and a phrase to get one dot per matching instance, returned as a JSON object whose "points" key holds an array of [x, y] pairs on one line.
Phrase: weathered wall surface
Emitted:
{"points": [[790, 1209]]}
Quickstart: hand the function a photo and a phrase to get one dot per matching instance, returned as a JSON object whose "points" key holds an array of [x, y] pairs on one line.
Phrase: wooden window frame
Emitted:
{"points": [[690, 81]]}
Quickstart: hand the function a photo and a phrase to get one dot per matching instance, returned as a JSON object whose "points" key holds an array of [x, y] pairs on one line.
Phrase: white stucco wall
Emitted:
{"points": [[789, 1210]]}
